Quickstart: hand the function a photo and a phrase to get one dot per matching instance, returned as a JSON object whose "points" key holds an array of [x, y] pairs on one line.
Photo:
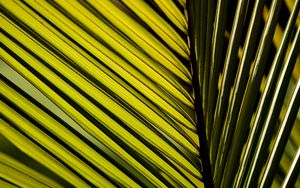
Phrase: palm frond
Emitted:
{"points": [[122, 87], [149, 93]]}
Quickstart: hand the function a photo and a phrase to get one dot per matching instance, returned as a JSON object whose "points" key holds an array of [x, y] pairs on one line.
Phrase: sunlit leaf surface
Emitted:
{"points": [[123, 93]]}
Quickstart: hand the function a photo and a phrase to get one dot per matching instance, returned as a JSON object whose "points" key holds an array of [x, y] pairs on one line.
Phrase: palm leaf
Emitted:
{"points": [[149, 93]]}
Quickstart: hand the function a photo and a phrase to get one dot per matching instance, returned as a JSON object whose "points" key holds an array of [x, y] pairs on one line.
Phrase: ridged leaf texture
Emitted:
{"points": [[155, 93]]}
